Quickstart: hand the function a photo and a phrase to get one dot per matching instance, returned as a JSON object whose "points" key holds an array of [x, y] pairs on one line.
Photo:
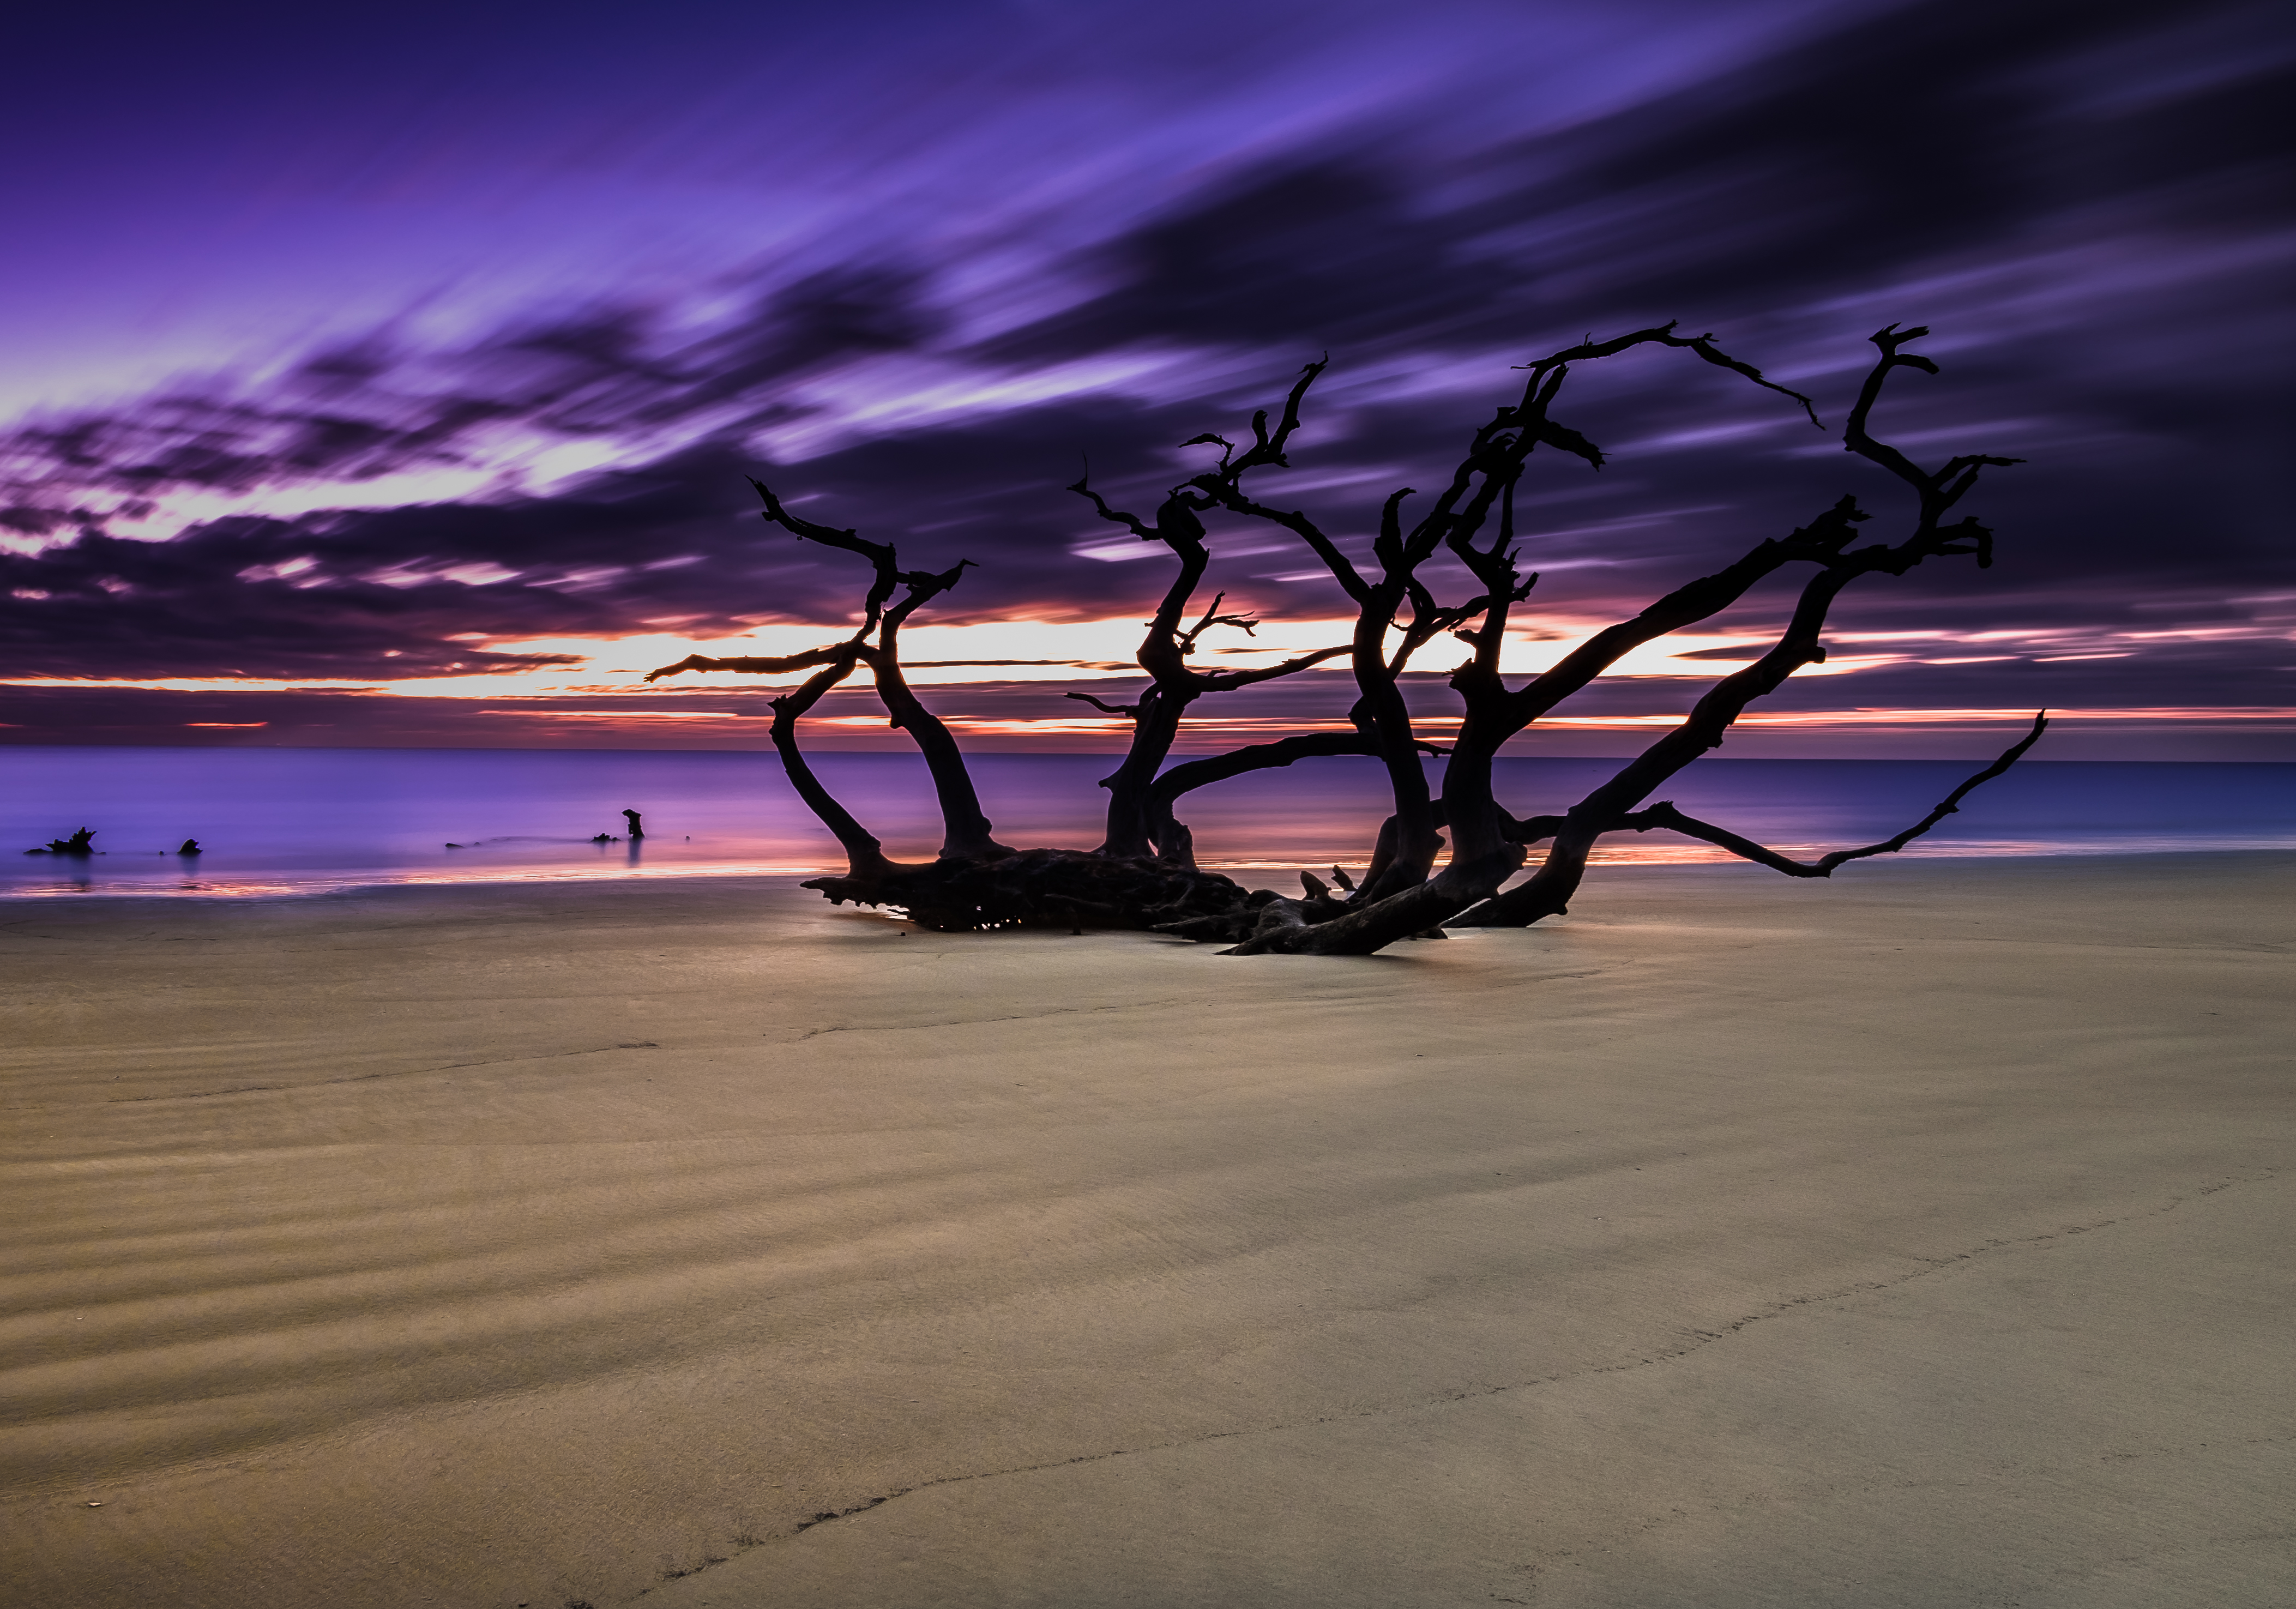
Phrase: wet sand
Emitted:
{"points": [[1917, 1238]]}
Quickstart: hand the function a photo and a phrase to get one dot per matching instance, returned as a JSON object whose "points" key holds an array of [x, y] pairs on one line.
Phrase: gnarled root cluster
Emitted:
{"points": [[1322, 922], [1078, 889], [1073, 888]]}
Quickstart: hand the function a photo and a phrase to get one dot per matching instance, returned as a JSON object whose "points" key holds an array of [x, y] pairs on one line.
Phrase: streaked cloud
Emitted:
{"points": [[461, 406]]}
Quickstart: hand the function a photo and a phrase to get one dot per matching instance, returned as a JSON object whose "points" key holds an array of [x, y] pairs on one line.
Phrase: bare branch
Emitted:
{"points": [[1191, 774], [1664, 815], [1129, 711], [1855, 437], [1663, 334], [1114, 516], [1268, 448], [1821, 539], [879, 554], [923, 586], [1247, 623], [1703, 345], [1939, 491], [1342, 568]]}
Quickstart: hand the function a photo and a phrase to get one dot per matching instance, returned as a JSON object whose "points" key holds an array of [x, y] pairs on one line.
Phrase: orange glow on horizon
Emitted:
{"points": [[1095, 651], [1243, 729]]}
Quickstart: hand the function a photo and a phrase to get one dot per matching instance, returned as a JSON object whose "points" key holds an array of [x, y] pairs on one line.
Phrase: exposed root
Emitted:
{"points": [[1074, 889]]}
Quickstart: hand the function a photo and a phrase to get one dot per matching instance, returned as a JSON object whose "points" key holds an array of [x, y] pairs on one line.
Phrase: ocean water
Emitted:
{"points": [[299, 820]]}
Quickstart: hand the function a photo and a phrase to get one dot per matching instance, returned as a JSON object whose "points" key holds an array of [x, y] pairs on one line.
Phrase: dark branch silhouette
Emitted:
{"points": [[1144, 871], [1664, 815]]}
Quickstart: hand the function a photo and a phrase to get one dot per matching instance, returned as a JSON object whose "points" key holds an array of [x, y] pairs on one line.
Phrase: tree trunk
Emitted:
{"points": [[1132, 826], [865, 854], [966, 833]]}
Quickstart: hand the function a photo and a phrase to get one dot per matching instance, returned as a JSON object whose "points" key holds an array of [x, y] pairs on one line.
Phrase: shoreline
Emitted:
{"points": [[1908, 1236], [1252, 874]]}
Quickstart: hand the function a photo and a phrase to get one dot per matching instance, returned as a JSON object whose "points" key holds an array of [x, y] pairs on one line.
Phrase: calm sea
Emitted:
{"points": [[290, 820]]}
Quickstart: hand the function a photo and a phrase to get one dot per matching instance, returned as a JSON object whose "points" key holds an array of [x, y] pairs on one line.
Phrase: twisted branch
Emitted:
{"points": [[1664, 815]]}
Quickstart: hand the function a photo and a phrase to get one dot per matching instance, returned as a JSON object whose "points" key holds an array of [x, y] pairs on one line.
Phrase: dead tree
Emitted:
{"points": [[1143, 873]]}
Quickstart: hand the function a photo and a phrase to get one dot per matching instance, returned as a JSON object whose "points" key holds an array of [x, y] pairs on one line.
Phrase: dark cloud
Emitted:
{"points": [[2077, 197], [385, 594], [1336, 254]]}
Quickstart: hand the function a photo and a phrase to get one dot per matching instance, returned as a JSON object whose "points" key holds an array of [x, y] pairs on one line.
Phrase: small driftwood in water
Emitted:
{"points": [[79, 843]]}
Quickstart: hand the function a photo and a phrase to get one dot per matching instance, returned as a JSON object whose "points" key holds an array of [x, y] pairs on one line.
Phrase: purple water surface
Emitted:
{"points": [[302, 819]]}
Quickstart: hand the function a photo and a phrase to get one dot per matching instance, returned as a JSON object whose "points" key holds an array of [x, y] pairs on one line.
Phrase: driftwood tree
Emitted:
{"points": [[1144, 871]]}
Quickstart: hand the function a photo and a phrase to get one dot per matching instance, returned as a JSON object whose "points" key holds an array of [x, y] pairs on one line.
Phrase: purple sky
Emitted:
{"points": [[375, 377]]}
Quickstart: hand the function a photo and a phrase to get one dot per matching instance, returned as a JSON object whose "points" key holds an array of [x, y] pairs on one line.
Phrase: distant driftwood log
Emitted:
{"points": [[81, 842], [1144, 871]]}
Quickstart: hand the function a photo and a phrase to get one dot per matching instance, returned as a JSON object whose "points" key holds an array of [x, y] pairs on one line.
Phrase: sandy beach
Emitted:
{"points": [[1920, 1237]]}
